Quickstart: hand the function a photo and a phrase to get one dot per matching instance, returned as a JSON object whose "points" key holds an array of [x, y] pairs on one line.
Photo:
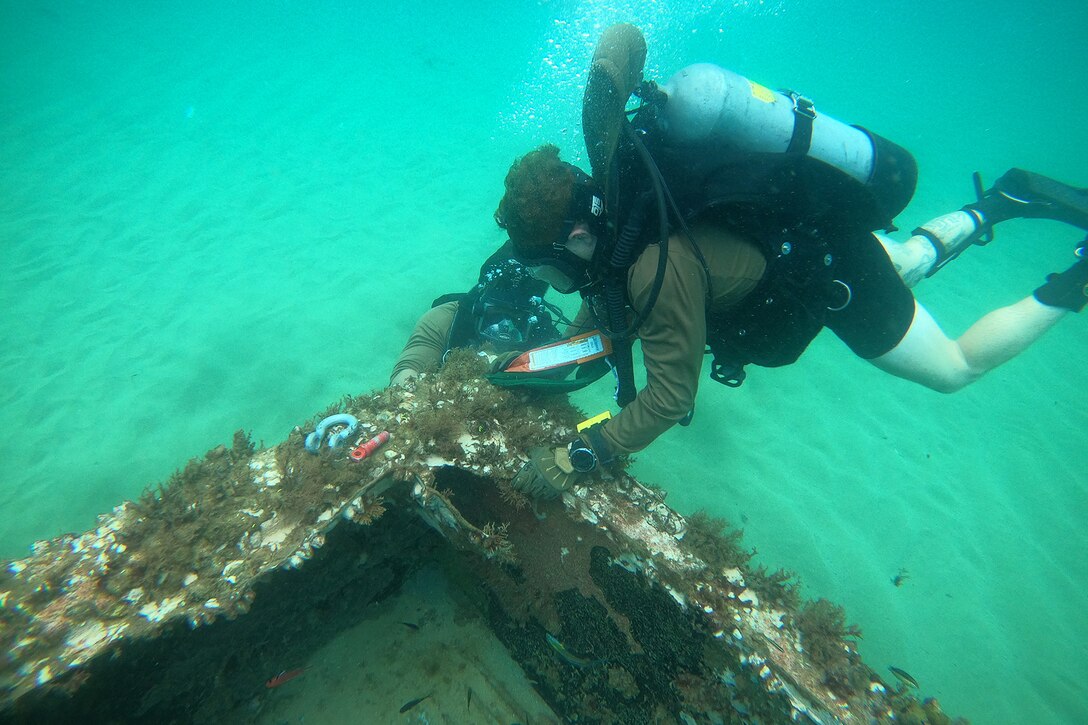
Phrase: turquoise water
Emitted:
{"points": [[218, 218]]}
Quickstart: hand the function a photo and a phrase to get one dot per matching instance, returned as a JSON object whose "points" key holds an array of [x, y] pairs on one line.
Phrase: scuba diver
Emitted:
{"points": [[505, 312], [722, 214]]}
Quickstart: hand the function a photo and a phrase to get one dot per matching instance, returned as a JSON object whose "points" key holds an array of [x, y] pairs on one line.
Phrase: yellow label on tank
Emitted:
{"points": [[761, 92]]}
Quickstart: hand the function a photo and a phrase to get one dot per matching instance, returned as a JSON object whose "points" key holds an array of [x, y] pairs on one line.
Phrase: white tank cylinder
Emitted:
{"points": [[720, 112]]}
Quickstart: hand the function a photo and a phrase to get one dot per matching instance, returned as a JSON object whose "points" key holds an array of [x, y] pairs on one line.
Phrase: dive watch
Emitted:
{"points": [[582, 457]]}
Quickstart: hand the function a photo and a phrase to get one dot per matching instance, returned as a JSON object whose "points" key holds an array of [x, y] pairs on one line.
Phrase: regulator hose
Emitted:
{"points": [[615, 285]]}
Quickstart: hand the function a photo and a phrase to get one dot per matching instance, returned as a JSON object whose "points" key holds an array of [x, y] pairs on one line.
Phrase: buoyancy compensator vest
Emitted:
{"points": [[806, 187], [803, 185]]}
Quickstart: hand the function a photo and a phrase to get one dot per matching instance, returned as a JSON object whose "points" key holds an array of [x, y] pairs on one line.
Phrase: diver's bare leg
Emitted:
{"points": [[931, 245], [927, 356]]}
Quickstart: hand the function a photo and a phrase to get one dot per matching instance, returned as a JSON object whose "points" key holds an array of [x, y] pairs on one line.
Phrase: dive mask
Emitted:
{"points": [[513, 327], [563, 270]]}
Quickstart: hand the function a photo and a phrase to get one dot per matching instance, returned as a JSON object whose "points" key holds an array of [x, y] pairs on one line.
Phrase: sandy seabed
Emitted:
{"points": [[212, 223]]}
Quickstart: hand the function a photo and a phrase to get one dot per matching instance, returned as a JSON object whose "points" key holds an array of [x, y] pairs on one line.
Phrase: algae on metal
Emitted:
{"points": [[616, 606]]}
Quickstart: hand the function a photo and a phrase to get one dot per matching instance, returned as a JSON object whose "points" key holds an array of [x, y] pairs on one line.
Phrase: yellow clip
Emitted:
{"points": [[589, 422]]}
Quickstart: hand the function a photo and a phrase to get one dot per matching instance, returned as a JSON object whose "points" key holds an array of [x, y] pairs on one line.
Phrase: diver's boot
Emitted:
{"points": [[1069, 289], [1022, 193]]}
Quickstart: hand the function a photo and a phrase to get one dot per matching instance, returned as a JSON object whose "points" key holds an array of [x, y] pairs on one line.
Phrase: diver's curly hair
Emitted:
{"points": [[538, 191]]}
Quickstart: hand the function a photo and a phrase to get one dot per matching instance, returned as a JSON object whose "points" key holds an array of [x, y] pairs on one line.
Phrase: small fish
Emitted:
{"points": [[410, 626], [774, 644], [284, 677], [468, 698], [412, 703], [567, 656], [904, 677], [901, 577]]}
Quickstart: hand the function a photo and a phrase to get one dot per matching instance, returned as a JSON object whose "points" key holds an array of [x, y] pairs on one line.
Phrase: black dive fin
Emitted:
{"points": [[1037, 196]]}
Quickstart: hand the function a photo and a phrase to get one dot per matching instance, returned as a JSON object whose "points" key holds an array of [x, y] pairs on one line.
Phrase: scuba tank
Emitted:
{"points": [[715, 114]]}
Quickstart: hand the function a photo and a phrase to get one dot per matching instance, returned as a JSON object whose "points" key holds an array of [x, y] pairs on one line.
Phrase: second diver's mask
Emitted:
{"points": [[508, 310], [562, 269], [508, 326], [505, 311]]}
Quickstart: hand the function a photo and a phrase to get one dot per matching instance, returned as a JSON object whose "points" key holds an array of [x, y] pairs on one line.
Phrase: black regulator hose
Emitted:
{"points": [[615, 286]]}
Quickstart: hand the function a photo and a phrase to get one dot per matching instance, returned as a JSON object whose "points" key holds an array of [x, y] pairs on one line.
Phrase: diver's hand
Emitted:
{"points": [[404, 378], [547, 474], [497, 363]]}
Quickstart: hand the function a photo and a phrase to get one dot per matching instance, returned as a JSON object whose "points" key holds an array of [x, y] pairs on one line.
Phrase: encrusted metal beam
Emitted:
{"points": [[617, 608]]}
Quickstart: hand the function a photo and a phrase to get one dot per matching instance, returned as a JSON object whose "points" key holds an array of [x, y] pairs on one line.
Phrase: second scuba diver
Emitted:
{"points": [[504, 312]]}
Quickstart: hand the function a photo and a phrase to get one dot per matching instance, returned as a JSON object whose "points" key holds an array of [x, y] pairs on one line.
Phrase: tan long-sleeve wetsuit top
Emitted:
{"points": [[673, 336], [427, 343]]}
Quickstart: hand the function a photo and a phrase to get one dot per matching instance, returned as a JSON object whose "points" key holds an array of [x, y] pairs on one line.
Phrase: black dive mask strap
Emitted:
{"points": [[586, 204]]}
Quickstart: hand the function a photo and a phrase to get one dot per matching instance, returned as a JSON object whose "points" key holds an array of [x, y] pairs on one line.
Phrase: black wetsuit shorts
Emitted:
{"points": [[879, 307], [859, 296]]}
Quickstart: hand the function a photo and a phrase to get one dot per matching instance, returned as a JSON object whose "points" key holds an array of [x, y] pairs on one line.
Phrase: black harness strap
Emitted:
{"points": [[804, 113]]}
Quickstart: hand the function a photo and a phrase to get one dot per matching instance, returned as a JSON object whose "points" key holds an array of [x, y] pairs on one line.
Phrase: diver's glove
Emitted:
{"points": [[551, 471], [498, 362], [547, 474]]}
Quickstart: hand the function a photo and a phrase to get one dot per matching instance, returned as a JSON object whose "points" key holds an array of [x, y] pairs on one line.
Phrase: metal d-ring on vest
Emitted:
{"points": [[849, 296]]}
